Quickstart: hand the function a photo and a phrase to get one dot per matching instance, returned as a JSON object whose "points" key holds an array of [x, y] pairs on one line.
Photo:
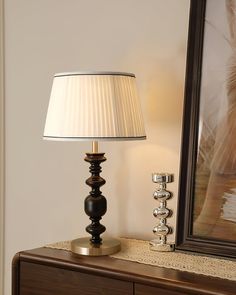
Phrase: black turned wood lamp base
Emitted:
{"points": [[95, 206]]}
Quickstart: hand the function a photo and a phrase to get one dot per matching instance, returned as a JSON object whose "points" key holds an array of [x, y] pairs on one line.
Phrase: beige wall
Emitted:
{"points": [[2, 143], [45, 180]]}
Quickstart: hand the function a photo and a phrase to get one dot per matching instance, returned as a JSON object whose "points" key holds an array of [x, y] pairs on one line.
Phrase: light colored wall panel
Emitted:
{"points": [[2, 158], [45, 187]]}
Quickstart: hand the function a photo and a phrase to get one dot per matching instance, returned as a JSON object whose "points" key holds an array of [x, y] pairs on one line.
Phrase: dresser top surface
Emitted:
{"points": [[129, 271]]}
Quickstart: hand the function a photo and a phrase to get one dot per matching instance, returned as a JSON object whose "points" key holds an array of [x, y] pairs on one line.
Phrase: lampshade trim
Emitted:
{"points": [[75, 138], [94, 73]]}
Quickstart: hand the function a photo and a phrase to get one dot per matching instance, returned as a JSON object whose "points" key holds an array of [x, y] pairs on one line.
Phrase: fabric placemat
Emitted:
{"points": [[138, 251]]}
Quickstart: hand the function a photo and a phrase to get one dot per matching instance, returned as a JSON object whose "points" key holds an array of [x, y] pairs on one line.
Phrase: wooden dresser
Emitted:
{"points": [[47, 271]]}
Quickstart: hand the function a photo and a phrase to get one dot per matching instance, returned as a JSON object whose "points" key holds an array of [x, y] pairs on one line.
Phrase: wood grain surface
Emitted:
{"points": [[43, 271]]}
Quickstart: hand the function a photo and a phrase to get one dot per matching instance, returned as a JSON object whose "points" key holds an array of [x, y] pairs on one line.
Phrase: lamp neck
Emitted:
{"points": [[95, 147]]}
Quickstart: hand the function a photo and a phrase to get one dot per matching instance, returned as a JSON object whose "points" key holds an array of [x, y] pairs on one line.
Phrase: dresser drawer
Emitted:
{"points": [[147, 290], [36, 279]]}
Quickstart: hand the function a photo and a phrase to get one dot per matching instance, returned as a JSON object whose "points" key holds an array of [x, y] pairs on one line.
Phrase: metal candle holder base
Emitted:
{"points": [[162, 213]]}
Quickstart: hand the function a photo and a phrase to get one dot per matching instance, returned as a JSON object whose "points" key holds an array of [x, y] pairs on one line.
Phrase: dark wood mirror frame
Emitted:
{"points": [[185, 239]]}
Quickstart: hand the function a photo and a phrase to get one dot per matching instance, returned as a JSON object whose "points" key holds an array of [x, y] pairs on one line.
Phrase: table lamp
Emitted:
{"points": [[94, 106]]}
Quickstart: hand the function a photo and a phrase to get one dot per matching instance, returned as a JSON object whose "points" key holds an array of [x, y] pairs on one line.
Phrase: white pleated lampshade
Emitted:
{"points": [[94, 106]]}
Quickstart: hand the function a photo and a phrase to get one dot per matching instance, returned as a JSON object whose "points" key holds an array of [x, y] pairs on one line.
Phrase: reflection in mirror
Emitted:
{"points": [[215, 189]]}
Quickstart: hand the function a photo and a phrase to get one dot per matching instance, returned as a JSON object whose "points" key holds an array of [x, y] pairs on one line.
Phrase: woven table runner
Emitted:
{"points": [[138, 251]]}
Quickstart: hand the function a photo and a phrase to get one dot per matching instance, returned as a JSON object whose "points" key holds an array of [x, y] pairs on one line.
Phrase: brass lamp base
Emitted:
{"points": [[83, 246]]}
